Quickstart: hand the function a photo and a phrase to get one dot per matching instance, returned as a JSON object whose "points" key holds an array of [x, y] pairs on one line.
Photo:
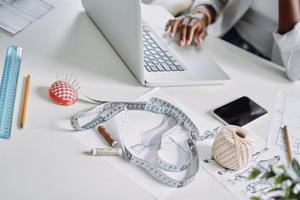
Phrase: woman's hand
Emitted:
{"points": [[191, 28]]}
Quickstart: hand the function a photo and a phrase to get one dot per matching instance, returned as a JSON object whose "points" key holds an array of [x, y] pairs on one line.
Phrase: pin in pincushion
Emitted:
{"points": [[64, 92]]}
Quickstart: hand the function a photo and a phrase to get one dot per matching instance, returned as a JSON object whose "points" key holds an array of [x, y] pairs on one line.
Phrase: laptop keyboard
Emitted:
{"points": [[156, 57]]}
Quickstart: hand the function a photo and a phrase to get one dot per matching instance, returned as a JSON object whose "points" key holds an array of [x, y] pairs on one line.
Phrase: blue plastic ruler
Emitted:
{"points": [[8, 89]]}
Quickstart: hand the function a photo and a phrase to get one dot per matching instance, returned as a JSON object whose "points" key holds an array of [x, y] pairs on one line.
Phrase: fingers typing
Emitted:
{"points": [[190, 29]]}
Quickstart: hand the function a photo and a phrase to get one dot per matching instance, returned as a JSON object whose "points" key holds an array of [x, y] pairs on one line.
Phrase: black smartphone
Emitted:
{"points": [[239, 112]]}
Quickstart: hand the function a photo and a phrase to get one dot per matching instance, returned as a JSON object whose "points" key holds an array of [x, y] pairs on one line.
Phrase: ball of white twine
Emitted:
{"points": [[232, 147]]}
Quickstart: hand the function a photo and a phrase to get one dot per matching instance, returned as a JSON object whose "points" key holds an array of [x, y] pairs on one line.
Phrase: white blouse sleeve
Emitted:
{"points": [[218, 5], [289, 46]]}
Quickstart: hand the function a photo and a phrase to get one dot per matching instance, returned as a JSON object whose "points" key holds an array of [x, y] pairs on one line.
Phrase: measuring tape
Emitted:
{"points": [[157, 168], [8, 89]]}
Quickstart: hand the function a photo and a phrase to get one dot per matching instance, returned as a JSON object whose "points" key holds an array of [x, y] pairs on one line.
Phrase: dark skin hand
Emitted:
{"points": [[190, 29], [289, 15]]}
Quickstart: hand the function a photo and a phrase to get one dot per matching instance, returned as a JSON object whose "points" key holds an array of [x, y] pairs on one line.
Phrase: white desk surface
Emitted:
{"points": [[44, 161]]}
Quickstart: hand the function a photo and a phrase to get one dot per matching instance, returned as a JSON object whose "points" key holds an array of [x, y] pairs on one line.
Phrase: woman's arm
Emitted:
{"points": [[289, 15]]}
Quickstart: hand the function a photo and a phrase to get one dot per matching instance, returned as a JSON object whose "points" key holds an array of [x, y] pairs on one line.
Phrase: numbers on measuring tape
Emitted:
{"points": [[158, 168]]}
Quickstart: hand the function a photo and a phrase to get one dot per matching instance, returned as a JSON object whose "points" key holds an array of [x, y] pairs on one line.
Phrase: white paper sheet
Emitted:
{"points": [[235, 182], [15, 15], [286, 112], [91, 139]]}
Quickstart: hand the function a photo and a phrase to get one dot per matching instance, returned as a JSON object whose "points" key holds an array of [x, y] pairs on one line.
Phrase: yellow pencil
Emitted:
{"points": [[288, 144], [26, 99]]}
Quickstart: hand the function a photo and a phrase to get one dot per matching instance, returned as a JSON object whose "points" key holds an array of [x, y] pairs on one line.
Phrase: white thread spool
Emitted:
{"points": [[106, 152], [233, 147]]}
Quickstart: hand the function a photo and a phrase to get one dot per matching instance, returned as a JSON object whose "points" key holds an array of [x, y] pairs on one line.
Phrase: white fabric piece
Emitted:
{"points": [[291, 62], [276, 54], [258, 24], [289, 41], [218, 5], [174, 6], [289, 45]]}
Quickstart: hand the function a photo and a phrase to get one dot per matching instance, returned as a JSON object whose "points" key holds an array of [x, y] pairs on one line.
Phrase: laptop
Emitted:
{"points": [[145, 54]]}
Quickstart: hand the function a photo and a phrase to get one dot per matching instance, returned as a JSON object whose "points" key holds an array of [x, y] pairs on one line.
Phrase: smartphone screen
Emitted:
{"points": [[239, 112]]}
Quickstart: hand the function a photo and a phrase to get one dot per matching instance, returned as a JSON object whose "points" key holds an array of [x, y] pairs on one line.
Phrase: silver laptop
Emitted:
{"points": [[147, 57]]}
